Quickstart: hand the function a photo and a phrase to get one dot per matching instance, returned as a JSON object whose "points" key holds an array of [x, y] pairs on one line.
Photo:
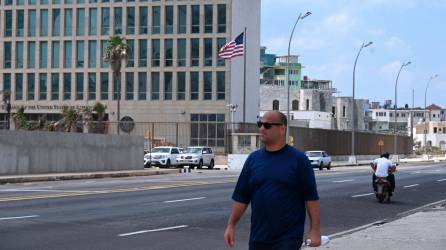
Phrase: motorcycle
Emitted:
{"points": [[383, 188]]}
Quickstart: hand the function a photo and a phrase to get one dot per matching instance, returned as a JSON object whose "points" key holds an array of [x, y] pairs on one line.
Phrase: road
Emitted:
{"points": [[186, 211]]}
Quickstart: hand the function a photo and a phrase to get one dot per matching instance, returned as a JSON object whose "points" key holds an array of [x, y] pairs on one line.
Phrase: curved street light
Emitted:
{"points": [[395, 138], [353, 156], [300, 17], [425, 109]]}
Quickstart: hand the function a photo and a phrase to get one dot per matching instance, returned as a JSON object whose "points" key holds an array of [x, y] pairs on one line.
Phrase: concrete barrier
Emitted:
{"points": [[36, 152]]}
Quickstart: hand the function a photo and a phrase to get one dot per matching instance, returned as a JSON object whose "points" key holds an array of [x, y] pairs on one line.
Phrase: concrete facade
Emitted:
{"points": [[24, 152]]}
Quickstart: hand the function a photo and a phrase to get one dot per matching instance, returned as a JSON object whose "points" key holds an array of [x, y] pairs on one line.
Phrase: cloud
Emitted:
{"points": [[395, 43], [379, 32]]}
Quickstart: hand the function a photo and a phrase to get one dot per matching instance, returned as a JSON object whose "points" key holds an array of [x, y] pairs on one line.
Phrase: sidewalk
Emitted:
{"points": [[424, 230]]}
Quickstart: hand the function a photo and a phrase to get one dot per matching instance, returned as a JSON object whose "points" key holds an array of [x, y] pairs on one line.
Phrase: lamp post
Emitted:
{"points": [[352, 158], [395, 138], [300, 17], [425, 109], [7, 102]]}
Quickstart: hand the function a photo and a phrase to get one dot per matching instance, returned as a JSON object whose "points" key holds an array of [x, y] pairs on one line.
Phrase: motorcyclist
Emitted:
{"points": [[383, 167]]}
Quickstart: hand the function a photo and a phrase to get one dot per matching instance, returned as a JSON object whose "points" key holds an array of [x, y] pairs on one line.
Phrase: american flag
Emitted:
{"points": [[233, 48]]}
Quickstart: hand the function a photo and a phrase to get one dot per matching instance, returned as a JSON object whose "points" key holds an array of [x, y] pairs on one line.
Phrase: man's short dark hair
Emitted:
{"points": [[385, 155]]}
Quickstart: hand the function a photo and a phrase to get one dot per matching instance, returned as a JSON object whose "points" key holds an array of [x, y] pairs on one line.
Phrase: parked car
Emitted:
{"points": [[162, 157], [319, 159], [197, 157]]}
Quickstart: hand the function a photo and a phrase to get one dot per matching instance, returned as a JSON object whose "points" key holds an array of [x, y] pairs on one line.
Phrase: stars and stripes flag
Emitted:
{"points": [[233, 48]]}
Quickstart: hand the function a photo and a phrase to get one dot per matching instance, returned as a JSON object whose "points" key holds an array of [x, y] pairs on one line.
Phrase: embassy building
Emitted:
{"points": [[52, 56]]}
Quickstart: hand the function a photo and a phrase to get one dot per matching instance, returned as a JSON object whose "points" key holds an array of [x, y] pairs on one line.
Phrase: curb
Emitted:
{"points": [[79, 176]]}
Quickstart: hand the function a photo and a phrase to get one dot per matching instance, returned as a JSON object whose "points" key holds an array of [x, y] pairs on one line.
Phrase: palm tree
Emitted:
{"points": [[117, 51], [99, 108], [70, 117]]}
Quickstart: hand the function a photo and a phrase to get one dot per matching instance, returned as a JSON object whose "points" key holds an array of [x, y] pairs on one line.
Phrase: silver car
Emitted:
{"points": [[197, 157], [319, 159]]}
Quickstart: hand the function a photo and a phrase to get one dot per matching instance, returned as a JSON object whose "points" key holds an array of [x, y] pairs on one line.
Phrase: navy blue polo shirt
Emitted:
{"points": [[277, 184]]}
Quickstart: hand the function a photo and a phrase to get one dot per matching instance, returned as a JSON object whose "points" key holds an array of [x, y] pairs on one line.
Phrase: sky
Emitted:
{"points": [[328, 41]]}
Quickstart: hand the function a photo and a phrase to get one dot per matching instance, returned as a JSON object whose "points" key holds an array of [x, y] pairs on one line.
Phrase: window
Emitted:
{"points": [[117, 21], [207, 129], [194, 85], [31, 87], [79, 54], [168, 19], [435, 130], [168, 52], [195, 19], [32, 17], [221, 10], [7, 81], [31, 55], [7, 55], [68, 24], [129, 86], [104, 86], [91, 86], [295, 105], [42, 86], [155, 52], [220, 43], [8, 23], [208, 21], [142, 53], [195, 52], [92, 54], [307, 105], [80, 27], [56, 22], [67, 54], [181, 86], [182, 15], [104, 44], [276, 105], [44, 22], [54, 86], [343, 111], [66, 86], [207, 94], [207, 52], [130, 20], [155, 95], [167, 85], [20, 30], [105, 21], [19, 55], [79, 86], [142, 86], [55, 50], [131, 56], [93, 17], [181, 53], [43, 55], [221, 85], [244, 141], [156, 20], [18, 86], [143, 20]]}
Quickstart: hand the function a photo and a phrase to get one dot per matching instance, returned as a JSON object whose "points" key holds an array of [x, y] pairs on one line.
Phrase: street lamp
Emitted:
{"points": [[7, 102], [395, 138], [288, 72], [425, 108], [353, 156]]}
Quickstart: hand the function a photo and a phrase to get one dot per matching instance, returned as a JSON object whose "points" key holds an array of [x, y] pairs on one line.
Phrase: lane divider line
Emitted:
{"points": [[360, 195], [19, 217], [414, 185], [152, 230], [190, 199], [343, 181], [441, 180]]}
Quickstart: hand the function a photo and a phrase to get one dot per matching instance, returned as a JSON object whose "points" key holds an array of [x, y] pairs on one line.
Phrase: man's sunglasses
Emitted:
{"points": [[267, 125]]}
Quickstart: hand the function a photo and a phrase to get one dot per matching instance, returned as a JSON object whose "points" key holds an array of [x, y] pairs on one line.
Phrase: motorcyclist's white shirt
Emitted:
{"points": [[382, 167]]}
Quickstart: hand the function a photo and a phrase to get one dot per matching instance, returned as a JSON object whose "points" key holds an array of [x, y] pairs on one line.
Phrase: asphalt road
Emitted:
{"points": [[186, 211]]}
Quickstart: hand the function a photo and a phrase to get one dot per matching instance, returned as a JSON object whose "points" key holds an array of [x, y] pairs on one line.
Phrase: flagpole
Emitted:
{"points": [[244, 77]]}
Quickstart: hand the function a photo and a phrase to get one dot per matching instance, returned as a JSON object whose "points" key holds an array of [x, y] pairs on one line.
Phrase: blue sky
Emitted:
{"points": [[328, 41]]}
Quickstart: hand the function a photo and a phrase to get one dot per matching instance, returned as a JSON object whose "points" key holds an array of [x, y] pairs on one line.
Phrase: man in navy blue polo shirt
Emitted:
{"points": [[278, 181]]}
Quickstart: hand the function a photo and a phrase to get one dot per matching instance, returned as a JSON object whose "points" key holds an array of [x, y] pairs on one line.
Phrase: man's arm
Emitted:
{"points": [[314, 234], [238, 209]]}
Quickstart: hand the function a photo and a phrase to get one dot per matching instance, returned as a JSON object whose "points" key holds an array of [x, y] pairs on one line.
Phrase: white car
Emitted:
{"points": [[162, 157], [197, 157], [319, 159]]}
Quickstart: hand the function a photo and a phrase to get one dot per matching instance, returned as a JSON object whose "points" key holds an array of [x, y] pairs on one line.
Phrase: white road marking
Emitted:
{"points": [[190, 199], [360, 195], [20, 217], [46, 190], [442, 180], [153, 230], [414, 185], [342, 181]]}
